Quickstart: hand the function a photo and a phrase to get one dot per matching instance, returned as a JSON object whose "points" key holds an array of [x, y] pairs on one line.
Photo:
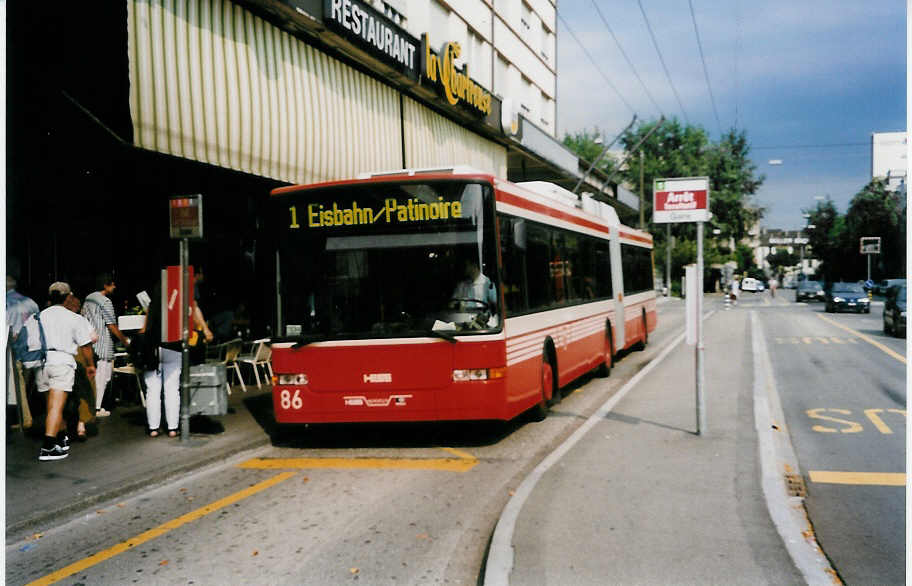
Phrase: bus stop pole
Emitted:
{"points": [[701, 405], [185, 337]]}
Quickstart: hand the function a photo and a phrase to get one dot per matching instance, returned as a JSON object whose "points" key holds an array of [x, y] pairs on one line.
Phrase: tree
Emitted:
{"points": [[876, 211], [676, 150], [781, 260], [826, 238]]}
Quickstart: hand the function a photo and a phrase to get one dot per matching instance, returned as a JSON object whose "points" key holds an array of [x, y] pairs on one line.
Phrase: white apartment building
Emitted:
{"points": [[889, 157]]}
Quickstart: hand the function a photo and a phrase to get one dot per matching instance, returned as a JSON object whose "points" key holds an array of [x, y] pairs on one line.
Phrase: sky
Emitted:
{"points": [[807, 81]]}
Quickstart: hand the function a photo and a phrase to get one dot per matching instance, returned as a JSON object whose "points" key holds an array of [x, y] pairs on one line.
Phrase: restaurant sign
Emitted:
{"points": [[454, 83], [370, 30]]}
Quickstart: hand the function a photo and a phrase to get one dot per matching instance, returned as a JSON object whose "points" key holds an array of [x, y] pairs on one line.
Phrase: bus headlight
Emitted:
{"points": [[470, 374], [293, 379]]}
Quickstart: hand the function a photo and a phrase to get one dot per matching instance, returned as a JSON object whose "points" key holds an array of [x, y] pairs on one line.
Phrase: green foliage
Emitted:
{"points": [[874, 211], [677, 150], [782, 259]]}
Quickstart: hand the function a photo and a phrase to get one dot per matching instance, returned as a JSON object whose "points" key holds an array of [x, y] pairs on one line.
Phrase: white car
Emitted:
{"points": [[751, 284]]}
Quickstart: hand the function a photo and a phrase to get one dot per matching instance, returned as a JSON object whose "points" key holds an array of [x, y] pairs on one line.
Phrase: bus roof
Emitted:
{"points": [[582, 209]]}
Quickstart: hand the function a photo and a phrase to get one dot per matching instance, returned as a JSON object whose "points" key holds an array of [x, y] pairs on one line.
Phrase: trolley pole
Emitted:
{"points": [[185, 339], [701, 405]]}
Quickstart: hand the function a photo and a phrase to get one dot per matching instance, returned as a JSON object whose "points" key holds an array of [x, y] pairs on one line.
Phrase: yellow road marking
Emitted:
{"points": [[445, 464], [865, 478], [867, 339], [160, 530]]}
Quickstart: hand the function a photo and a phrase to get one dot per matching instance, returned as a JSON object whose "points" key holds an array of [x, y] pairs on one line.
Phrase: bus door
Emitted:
{"points": [[617, 286]]}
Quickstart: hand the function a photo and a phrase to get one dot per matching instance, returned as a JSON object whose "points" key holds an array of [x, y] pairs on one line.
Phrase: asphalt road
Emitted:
{"points": [[380, 504], [842, 384]]}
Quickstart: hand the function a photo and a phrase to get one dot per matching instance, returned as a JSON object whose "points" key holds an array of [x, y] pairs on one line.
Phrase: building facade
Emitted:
{"points": [[118, 106]]}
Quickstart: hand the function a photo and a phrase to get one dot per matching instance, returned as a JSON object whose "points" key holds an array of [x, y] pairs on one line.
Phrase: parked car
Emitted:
{"points": [[751, 284], [809, 291], [894, 313], [847, 297], [880, 288]]}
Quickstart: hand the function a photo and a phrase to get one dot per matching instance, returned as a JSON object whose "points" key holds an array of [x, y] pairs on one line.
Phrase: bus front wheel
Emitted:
{"points": [[548, 391]]}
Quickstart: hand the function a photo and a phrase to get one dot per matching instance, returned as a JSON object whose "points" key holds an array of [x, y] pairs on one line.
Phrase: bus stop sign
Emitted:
{"points": [[185, 214], [870, 245], [684, 199]]}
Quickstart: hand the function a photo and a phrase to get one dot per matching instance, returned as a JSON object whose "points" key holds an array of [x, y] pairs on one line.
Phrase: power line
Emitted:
{"points": [[705, 70], [583, 47], [662, 61], [812, 146], [626, 58]]}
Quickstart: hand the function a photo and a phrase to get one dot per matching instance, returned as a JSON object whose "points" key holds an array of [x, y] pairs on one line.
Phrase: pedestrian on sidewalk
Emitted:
{"points": [[18, 309], [78, 411], [67, 334], [99, 310]]}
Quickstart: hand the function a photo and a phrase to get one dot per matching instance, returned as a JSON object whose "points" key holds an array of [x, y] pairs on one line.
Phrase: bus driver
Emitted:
{"points": [[475, 286]]}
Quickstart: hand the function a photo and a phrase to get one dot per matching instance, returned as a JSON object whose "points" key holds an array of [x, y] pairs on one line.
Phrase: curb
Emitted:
{"points": [[136, 484], [779, 465]]}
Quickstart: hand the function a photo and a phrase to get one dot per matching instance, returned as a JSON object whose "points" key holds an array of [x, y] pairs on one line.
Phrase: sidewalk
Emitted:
{"points": [[641, 499], [121, 459]]}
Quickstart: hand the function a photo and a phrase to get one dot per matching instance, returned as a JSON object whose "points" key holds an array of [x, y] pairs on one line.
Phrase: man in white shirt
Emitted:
{"points": [[475, 286], [66, 334]]}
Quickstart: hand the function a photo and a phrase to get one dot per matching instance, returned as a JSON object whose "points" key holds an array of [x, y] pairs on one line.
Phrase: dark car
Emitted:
{"points": [[847, 297], [894, 315], [881, 287], [809, 291]]}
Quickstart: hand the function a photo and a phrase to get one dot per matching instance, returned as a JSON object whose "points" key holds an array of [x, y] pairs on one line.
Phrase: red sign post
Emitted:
{"points": [[173, 303]]}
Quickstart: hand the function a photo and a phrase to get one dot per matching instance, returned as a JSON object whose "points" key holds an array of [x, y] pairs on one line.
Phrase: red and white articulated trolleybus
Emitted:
{"points": [[448, 295]]}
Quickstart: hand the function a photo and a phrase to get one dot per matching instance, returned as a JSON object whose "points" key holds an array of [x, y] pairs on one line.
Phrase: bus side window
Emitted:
{"points": [[513, 255]]}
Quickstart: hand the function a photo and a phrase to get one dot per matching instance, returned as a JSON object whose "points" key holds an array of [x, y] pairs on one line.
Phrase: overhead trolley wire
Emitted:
{"points": [[712, 99], [583, 47], [662, 61], [814, 146], [626, 58]]}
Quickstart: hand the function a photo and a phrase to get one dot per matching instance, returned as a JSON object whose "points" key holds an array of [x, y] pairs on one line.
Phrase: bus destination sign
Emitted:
{"points": [[684, 199], [393, 211], [185, 214]]}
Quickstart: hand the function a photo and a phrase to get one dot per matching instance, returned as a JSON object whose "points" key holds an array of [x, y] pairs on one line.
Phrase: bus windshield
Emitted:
{"points": [[383, 260]]}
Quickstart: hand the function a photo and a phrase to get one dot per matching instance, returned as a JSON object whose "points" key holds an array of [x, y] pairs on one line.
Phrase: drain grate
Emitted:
{"points": [[795, 485]]}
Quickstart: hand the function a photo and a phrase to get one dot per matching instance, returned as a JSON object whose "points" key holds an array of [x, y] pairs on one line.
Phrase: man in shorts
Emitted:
{"points": [[66, 334]]}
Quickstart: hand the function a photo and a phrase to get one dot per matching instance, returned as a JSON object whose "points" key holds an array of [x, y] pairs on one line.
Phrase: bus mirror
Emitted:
{"points": [[519, 234]]}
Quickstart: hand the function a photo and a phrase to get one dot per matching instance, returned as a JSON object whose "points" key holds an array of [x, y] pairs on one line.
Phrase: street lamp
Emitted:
{"points": [[806, 217]]}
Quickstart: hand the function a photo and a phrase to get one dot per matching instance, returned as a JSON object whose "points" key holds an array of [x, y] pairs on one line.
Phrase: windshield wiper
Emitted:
{"points": [[305, 340], [442, 335]]}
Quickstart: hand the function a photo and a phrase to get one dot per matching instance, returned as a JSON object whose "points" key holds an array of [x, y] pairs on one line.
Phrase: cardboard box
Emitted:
{"points": [[208, 389]]}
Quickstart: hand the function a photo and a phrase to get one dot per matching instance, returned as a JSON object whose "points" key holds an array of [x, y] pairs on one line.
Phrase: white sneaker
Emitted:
{"points": [[102, 413]]}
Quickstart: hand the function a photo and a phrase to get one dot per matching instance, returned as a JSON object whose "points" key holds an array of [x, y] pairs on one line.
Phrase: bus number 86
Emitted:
{"points": [[289, 401]]}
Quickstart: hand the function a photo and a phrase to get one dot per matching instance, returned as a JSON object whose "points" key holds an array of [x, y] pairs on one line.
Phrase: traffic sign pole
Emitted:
{"points": [[701, 404], [686, 199]]}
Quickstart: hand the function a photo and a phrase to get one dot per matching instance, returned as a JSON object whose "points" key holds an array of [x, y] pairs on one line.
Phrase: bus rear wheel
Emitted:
{"points": [[641, 345], [604, 369]]}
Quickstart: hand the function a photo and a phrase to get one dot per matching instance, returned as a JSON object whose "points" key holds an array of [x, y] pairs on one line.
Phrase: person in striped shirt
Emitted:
{"points": [[99, 310]]}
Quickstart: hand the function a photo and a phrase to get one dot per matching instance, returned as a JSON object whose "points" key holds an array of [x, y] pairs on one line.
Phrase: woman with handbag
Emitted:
{"points": [[161, 363]]}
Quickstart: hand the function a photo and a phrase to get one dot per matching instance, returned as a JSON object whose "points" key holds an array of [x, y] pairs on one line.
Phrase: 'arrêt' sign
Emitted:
{"points": [[683, 199]]}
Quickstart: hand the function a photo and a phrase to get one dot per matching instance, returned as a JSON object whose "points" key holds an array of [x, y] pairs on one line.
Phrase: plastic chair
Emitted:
{"points": [[227, 354], [259, 356], [130, 370]]}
